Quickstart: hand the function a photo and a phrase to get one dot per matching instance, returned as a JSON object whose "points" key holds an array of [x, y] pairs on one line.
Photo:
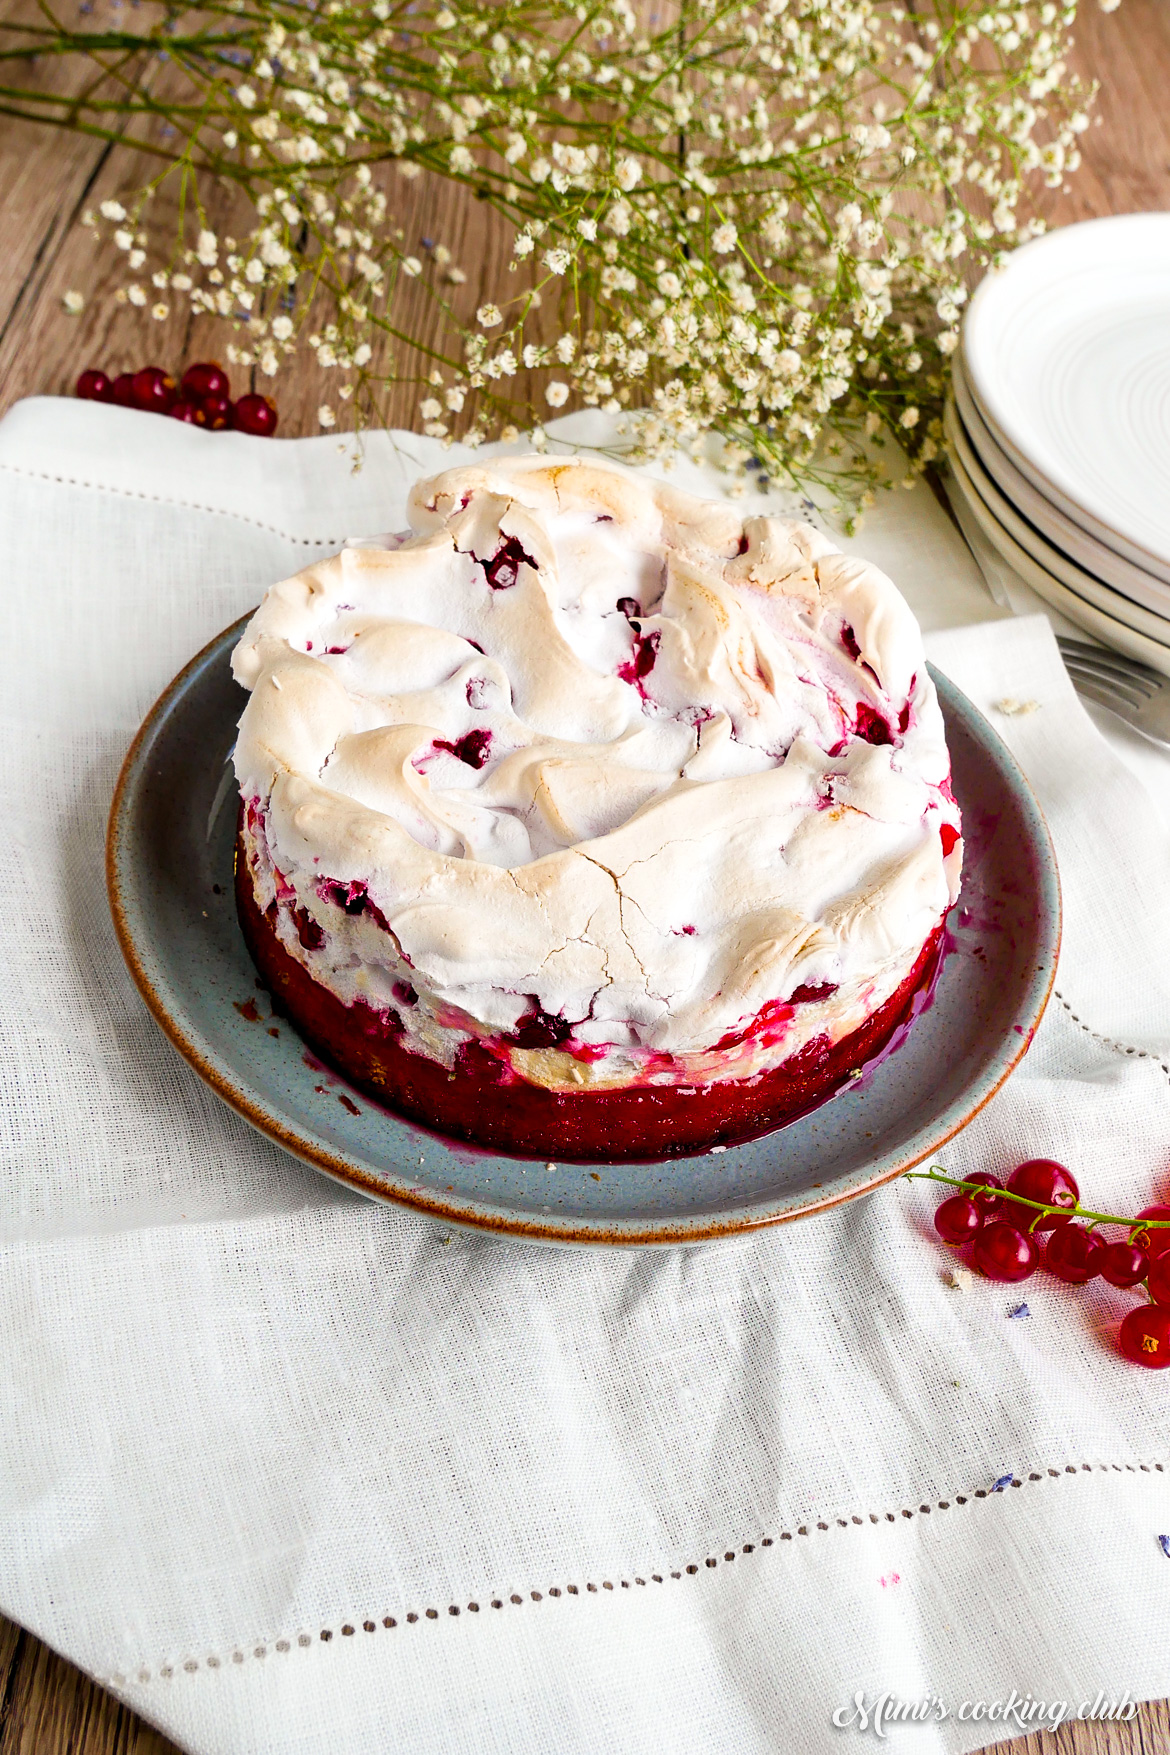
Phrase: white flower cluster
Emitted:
{"points": [[760, 219]]}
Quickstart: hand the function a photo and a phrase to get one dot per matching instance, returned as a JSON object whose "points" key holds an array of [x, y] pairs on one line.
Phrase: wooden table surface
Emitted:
{"points": [[47, 1707]]}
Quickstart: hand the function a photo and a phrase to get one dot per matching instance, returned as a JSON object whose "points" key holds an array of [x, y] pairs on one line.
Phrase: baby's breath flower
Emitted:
{"points": [[74, 303], [326, 416], [771, 239]]}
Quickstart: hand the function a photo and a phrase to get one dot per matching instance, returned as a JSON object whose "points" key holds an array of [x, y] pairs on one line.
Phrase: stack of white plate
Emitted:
{"points": [[1059, 427]]}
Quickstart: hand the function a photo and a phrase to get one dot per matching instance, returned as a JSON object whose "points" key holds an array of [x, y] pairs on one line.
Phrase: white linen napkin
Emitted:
{"points": [[270, 1454]]}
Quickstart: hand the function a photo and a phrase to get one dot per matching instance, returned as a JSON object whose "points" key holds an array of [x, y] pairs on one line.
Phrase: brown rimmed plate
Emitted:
{"points": [[169, 872]]}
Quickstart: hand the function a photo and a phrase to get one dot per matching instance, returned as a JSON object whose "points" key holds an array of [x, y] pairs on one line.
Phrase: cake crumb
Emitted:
{"points": [[1015, 709], [715, 1149], [550, 1167], [959, 1278]]}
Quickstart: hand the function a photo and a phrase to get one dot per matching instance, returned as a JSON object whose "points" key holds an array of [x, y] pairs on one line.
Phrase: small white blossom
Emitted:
{"points": [[326, 416], [160, 312], [723, 238], [587, 228], [558, 260], [136, 295], [207, 248], [629, 173], [74, 303], [282, 328], [523, 245], [112, 210], [246, 96], [430, 409], [489, 316], [909, 418], [556, 394]]}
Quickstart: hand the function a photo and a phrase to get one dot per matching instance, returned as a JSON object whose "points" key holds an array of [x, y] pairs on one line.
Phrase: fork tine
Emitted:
{"points": [[1106, 682], [1128, 676], [1105, 696], [1105, 659], [1109, 663]]}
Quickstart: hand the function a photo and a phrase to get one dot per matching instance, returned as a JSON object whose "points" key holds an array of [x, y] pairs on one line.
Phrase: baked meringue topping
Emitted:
{"points": [[621, 786]]}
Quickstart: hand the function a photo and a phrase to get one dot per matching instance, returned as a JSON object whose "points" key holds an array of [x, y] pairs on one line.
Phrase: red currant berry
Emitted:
{"points": [[1073, 1254], [94, 386], [184, 410], [256, 414], [207, 378], [218, 413], [989, 1203], [155, 391], [1145, 1336], [1003, 1253], [122, 390], [1044, 1180], [958, 1219], [1157, 1240], [1159, 1279], [1123, 1264]]}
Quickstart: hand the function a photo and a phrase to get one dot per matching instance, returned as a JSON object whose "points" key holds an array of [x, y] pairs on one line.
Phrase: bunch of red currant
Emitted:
{"points": [[202, 397], [1004, 1227]]}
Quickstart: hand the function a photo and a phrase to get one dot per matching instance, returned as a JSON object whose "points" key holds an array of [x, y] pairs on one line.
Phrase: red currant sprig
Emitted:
{"points": [[981, 1214], [202, 398]]}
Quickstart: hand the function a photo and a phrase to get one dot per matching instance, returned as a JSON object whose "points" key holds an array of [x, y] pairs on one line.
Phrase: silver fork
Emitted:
{"points": [[1133, 691]]}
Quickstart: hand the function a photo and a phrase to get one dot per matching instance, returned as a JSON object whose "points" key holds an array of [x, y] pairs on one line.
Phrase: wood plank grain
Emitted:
{"points": [[46, 1705]]}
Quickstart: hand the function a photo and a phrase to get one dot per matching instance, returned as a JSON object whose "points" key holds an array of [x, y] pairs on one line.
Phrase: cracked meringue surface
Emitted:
{"points": [[620, 784]]}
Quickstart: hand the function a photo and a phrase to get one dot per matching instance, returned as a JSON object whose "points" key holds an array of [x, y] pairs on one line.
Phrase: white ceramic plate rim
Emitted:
{"points": [[1128, 243], [1067, 538], [1111, 603], [1110, 632]]}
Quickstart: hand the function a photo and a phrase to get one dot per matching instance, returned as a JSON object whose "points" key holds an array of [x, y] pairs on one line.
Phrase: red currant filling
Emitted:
{"points": [[472, 748], [642, 657], [503, 570]]}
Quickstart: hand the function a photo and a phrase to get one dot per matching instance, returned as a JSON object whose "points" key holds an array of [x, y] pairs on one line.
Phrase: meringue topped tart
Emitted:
{"points": [[589, 819]]}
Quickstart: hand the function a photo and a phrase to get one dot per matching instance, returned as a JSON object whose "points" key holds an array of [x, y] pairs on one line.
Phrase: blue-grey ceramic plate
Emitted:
{"points": [[169, 866]]}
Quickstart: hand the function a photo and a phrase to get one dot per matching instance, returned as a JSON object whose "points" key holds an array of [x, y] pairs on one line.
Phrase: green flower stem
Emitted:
{"points": [[1042, 1209]]}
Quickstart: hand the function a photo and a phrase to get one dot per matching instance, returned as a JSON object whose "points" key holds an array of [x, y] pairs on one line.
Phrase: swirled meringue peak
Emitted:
{"points": [[623, 785]]}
